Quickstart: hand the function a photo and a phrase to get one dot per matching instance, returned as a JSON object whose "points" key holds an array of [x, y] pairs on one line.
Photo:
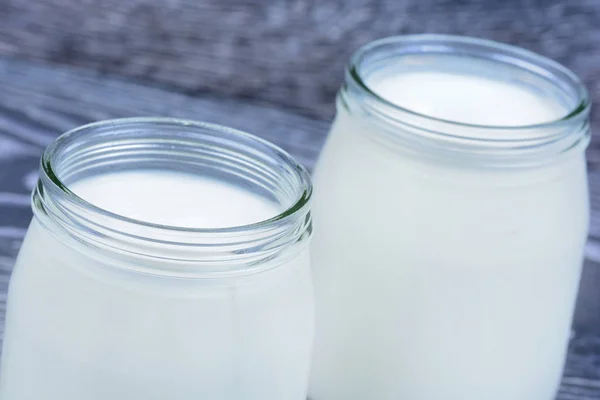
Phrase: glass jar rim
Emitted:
{"points": [[455, 44], [150, 143], [48, 159]]}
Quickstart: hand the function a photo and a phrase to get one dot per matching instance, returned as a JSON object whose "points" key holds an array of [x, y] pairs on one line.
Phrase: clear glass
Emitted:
{"points": [[447, 255], [102, 306]]}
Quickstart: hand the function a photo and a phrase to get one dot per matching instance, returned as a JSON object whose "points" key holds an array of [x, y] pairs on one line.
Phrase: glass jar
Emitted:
{"points": [[447, 253], [103, 306]]}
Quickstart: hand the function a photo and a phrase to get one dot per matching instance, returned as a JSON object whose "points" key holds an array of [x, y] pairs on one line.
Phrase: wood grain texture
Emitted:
{"points": [[287, 52]]}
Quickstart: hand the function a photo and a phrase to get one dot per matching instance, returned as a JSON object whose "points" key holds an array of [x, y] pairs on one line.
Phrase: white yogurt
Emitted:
{"points": [[437, 279], [469, 99], [175, 199], [79, 328]]}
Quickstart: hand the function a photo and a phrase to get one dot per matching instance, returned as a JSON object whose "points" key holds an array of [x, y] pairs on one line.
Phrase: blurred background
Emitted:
{"points": [[270, 67], [286, 52]]}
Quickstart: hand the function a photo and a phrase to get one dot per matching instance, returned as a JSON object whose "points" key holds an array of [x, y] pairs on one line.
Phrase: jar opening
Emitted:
{"points": [[241, 162], [544, 103]]}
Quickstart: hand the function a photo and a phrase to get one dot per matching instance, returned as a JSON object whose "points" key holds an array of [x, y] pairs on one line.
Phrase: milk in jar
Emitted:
{"points": [[451, 212], [167, 259]]}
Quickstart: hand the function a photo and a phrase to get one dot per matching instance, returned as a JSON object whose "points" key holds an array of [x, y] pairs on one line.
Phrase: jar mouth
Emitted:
{"points": [[179, 145], [490, 144], [49, 159], [474, 47]]}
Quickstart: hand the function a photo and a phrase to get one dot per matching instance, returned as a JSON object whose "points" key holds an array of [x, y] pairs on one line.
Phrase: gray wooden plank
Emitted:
{"points": [[285, 52], [39, 102]]}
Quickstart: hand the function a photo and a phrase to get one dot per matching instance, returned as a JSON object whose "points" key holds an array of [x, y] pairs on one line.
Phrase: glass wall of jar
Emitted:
{"points": [[167, 259], [451, 212]]}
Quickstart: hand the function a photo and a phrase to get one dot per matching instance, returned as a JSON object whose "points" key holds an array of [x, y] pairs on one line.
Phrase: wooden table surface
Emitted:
{"points": [[39, 102]]}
